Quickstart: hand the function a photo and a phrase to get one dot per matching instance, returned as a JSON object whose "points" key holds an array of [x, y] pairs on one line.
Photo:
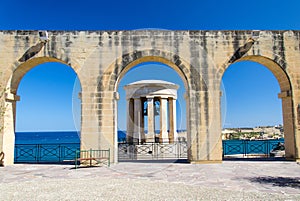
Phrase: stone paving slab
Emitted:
{"points": [[230, 180]]}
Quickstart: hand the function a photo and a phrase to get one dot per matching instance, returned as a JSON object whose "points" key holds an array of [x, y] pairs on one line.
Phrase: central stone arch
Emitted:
{"points": [[194, 84]]}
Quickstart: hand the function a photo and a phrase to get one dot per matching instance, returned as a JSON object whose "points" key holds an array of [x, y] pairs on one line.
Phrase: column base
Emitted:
{"points": [[164, 137], [164, 140], [206, 162], [129, 139]]}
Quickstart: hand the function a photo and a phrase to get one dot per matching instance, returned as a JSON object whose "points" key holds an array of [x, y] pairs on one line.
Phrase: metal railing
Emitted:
{"points": [[59, 153], [45, 153], [152, 151], [247, 148]]}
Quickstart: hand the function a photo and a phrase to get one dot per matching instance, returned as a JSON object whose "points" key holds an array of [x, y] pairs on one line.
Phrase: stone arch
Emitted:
{"points": [[286, 95], [19, 71], [279, 73], [273, 66], [108, 85], [123, 64]]}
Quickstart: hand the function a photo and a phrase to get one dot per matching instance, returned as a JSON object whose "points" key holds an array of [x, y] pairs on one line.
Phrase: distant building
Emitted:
{"points": [[261, 132]]}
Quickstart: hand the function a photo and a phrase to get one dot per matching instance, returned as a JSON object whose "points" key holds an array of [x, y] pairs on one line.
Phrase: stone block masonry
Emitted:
{"points": [[102, 58]]}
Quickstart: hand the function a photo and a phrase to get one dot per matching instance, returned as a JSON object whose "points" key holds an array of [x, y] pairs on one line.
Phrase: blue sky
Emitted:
{"points": [[136, 14], [259, 104]]}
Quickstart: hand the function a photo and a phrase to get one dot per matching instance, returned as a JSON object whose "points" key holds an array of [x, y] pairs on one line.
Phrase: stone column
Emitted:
{"points": [[163, 120], [150, 113], [137, 120], [130, 112], [143, 138], [172, 120]]}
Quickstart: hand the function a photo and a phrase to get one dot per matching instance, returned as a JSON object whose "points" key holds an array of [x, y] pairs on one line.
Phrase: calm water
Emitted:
{"points": [[229, 146], [47, 147], [47, 137], [52, 137]]}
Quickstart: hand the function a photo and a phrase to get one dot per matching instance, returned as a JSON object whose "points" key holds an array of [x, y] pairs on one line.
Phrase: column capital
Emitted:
{"points": [[164, 97], [172, 98], [150, 97]]}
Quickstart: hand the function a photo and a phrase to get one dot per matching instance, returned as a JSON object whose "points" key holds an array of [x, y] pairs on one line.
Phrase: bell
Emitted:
{"points": [[156, 108]]}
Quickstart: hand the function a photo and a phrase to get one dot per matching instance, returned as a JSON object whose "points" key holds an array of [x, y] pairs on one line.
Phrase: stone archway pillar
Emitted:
{"points": [[8, 139], [205, 127], [288, 124]]}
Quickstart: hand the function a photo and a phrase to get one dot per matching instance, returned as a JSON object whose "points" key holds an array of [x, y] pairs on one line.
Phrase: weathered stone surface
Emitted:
{"points": [[102, 58]]}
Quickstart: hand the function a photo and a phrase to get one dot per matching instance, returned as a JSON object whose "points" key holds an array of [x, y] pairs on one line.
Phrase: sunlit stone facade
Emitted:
{"points": [[102, 58]]}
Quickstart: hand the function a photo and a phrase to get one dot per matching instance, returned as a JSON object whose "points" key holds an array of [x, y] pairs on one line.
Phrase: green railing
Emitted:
{"points": [[45, 153], [245, 148]]}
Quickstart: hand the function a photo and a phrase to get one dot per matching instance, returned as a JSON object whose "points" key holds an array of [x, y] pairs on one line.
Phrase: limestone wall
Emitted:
{"points": [[102, 58]]}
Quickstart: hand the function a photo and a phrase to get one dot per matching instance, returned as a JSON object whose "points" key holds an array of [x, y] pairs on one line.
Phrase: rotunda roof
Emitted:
{"points": [[151, 82]]}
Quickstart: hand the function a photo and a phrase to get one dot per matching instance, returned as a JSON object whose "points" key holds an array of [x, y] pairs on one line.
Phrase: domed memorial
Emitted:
{"points": [[151, 98]]}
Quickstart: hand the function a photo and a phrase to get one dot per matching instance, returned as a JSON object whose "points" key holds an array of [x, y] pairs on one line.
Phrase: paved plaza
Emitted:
{"points": [[230, 180]]}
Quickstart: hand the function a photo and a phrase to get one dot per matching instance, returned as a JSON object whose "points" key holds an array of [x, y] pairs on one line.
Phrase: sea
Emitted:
{"points": [[60, 146], [53, 137], [48, 147]]}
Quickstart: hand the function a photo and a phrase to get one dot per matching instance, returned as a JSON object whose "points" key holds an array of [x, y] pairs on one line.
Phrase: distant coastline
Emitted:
{"points": [[40, 137]]}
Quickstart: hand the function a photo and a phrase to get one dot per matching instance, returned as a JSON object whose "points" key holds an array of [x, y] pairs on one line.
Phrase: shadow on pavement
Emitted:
{"points": [[278, 181]]}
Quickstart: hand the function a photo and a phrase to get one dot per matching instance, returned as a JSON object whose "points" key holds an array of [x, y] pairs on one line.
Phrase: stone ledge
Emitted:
{"points": [[11, 97]]}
